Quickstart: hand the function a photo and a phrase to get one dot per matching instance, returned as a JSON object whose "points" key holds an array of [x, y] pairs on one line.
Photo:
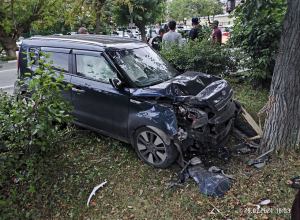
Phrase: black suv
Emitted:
{"points": [[124, 89]]}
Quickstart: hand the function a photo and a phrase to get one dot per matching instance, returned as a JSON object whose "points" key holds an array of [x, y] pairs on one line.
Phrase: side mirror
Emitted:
{"points": [[116, 83]]}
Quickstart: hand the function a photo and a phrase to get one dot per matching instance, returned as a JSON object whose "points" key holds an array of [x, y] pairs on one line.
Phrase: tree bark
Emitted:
{"points": [[99, 4], [143, 31], [282, 125], [9, 43]]}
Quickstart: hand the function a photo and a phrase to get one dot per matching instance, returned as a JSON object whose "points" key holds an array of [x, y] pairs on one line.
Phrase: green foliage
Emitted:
{"points": [[179, 9], [257, 33], [143, 11], [31, 126], [83, 13], [6, 58], [204, 57], [18, 15]]}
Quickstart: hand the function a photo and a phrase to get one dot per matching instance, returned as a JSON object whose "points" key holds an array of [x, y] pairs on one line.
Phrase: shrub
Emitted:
{"points": [[30, 126], [257, 32], [203, 57]]}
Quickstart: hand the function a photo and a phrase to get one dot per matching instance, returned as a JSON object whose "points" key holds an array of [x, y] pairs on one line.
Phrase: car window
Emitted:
{"points": [[94, 68], [34, 56], [60, 61], [144, 66]]}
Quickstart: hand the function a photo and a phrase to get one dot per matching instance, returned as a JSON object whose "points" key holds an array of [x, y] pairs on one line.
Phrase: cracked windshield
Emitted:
{"points": [[144, 66]]}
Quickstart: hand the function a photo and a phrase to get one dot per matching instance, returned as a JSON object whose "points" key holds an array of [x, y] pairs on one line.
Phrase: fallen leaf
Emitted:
{"points": [[200, 203], [94, 203], [265, 217]]}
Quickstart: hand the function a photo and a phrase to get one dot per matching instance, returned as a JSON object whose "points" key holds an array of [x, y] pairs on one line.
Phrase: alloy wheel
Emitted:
{"points": [[151, 147]]}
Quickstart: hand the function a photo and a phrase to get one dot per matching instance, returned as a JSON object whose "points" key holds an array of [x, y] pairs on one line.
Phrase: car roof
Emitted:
{"points": [[85, 41]]}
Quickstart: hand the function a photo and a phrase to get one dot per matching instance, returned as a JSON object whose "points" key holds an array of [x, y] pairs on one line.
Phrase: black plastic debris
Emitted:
{"points": [[244, 150], [212, 184], [294, 182]]}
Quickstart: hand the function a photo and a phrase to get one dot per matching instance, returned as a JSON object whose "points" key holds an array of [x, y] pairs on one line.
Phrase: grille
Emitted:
{"points": [[221, 104]]}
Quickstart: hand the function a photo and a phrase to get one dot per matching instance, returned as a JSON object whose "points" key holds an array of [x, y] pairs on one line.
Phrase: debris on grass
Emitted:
{"points": [[265, 202], [244, 150], [94, 191], [293, 182], [212, 184]]}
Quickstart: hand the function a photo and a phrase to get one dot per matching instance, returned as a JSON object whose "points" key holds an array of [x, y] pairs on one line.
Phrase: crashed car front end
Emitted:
{"points": [[202, 107]]}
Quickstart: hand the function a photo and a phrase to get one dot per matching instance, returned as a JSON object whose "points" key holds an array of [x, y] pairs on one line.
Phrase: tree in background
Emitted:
{"points": [[145, 12], [17, 16], [256, 32], [88, 10], [179, 9]]}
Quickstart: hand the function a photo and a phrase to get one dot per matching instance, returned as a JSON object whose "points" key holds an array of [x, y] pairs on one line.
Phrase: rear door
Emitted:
{"points": [[96, 103], [61, 62]]}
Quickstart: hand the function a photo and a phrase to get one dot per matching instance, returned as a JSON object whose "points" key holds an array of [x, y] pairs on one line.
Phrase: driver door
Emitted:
{"points": [[96, 103]]}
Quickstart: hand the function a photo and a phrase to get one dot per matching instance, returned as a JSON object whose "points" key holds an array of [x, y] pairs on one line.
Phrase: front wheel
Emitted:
{"points": [[152, 149]]}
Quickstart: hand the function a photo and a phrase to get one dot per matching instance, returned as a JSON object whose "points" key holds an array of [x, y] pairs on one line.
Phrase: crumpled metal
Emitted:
{"points": [[212, 184]]}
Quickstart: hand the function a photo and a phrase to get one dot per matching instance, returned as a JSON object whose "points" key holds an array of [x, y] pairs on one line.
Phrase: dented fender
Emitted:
{"points": [[159, 118]]}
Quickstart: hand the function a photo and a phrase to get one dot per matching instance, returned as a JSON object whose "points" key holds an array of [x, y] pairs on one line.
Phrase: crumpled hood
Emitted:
{"points": [[192, 88]]}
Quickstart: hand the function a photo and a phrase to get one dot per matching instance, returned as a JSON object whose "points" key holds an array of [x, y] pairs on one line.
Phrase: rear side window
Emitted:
{"points": [[33, 55], [94, 68], [60, 61]]}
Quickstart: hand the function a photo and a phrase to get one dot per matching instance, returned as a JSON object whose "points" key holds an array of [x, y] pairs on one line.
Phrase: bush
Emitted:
{"points": [[257, 33], [31, 126], [203, 57], [6, 58]]}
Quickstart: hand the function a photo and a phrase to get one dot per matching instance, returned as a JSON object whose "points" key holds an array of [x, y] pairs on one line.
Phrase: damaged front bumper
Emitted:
{"points": [[213, 131]]}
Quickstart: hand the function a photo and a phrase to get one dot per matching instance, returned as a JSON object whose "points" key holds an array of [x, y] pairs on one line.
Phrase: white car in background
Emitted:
{"points": [[225, 29], [19, 42]]}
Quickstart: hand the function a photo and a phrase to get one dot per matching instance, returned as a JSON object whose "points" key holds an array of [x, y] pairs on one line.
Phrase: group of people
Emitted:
{"points": [[168, 35]]}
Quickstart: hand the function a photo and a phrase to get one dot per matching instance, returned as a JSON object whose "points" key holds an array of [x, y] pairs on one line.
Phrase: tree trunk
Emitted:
{"points": [[98, 5], [282, 125], [9, 45], [143, 31], [97, 31]]}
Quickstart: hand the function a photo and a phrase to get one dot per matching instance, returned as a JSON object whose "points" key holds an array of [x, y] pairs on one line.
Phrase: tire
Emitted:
{"points": [[245, 128], [151, 148]]}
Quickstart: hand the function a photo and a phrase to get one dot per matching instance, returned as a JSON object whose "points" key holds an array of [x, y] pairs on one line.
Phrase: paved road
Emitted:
{"points": [[8, 76]]}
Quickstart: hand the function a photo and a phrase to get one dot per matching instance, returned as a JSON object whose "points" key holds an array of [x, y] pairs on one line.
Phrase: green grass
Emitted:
{"points": [[59, 185], [252, 99]]}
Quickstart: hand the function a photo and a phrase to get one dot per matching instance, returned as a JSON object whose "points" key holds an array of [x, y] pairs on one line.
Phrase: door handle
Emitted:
{"points": [[78, 90]]}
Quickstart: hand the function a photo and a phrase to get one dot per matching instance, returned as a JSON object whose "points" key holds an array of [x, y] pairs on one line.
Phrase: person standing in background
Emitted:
{"points": [[83, 30], [172, 37], [195, 31], [217, 35], [156, 42]]}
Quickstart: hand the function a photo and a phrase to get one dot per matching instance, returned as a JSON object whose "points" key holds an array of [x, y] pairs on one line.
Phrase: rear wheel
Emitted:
{"points": [[152, 149]]}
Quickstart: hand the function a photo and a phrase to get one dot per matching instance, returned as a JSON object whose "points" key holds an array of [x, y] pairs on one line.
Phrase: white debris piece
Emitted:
{"points": [[265, 202], [94, 191]]}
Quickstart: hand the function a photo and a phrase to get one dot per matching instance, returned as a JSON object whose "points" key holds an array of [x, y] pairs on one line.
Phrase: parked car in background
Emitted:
{"points": [[226, 29], [19, 42], [120, 34], [124, 89], [184, 32], [71, 33]]}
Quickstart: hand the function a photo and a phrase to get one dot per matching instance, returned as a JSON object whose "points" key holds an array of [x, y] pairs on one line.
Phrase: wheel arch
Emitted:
{"points": [[160, 119]]}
